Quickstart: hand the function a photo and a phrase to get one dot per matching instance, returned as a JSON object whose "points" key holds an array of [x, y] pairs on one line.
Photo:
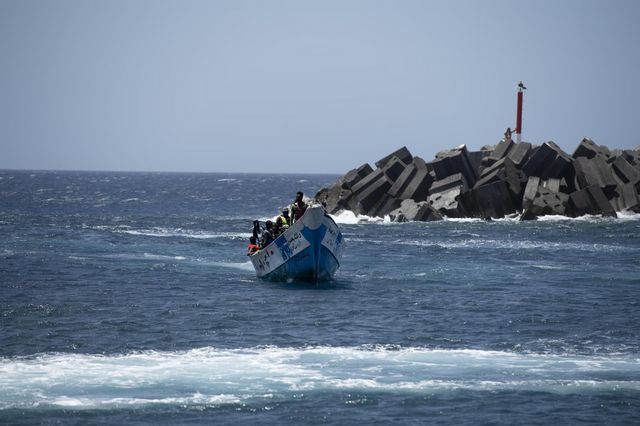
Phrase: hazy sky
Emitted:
{"points": [[306, 86]]}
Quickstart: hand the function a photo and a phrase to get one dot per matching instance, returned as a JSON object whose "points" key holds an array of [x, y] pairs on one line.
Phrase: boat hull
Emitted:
{"points": [[310, 250]]}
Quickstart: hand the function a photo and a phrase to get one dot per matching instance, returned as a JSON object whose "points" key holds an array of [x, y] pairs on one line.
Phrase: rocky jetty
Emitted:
{"points": [[491, 183]]}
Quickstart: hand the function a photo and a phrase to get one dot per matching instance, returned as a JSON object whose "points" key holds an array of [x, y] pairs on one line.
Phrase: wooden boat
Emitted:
{"points": [[309, 250]]}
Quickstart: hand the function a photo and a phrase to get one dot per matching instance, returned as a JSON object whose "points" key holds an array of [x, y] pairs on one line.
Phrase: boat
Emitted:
{"points": [[309, 250]]}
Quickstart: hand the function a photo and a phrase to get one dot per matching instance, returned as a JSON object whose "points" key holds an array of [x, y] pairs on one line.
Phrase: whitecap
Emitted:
{"points": [[347, 217], [181, 233], [475, 243], [628, 216], [153, 256], [213, 376], [546, 266], [243, 266]]}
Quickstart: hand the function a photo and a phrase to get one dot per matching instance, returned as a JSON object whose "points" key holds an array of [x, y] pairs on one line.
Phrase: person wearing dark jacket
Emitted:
{"points": [[267, 235]]}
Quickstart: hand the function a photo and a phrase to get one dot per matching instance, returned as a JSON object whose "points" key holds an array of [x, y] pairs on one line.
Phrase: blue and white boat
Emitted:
{"points": [[309, 250]]}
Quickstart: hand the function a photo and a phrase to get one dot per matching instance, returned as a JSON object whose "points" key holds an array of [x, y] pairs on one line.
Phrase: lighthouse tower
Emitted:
{"points": [[521, 90]]}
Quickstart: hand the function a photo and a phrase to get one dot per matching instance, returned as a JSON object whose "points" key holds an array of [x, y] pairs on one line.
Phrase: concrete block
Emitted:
{"points": [[403, 181], [552, 185], [631, 198], [548, 161], [356, 175], [546, 202], [419, 163], [454, 161], [590, 200], [492, 200], [456, 180], [595, 171], [384, 206], [410, 210], [393, 169], [367, 181], [520, 153], [625, 171], [418, 187], [632, 157], [500, 151], [503, 170], [530, 191], [626, 198], [403, 154], [447, 202], [476, 158], [371, 196], [589, 149], [336, 198]]}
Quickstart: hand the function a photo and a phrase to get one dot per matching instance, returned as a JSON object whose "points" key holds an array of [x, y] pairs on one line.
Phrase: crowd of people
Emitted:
{"points": [[262, 237]]}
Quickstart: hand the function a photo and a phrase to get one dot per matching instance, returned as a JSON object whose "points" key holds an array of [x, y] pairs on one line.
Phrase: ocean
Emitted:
{"points": [[128, 298]]}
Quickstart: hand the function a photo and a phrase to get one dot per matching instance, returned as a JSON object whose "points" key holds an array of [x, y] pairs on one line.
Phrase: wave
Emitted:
{"points": [[480, 243], [181, 233], [211, 376], [244, 266], [136, 256], [347, 217]]}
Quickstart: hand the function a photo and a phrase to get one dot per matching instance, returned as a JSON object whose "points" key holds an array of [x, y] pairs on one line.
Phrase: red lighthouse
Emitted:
{"points": [[521, 90]]}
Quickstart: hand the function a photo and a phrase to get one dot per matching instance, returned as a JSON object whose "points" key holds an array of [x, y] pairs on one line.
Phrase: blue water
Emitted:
{"points": [[128, 298]]}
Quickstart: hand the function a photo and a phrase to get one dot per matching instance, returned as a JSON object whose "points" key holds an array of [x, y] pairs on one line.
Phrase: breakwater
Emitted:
{"points": [[508, 178]]}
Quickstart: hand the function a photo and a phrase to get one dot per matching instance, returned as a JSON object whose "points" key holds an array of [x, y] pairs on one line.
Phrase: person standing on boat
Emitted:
{"points": [[298, 207], [266, 237], [284, 220]]}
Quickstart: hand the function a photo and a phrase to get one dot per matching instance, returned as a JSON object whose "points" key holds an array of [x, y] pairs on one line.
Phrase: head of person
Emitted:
{"points": [[285, 212], [299, 196], [269, 224], [252, 240]]}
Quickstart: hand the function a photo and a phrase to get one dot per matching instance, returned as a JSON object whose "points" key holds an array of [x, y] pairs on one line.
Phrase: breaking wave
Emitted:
{"points": [[492, 244], [347, 217], [181, 233], [210, 376]]}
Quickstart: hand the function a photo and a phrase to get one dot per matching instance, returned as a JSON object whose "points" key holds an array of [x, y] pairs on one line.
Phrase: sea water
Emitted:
{"points": [[128, 298]]}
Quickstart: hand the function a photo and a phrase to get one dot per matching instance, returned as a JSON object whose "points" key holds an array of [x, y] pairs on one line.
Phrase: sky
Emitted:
{"points": [[306, 86]]}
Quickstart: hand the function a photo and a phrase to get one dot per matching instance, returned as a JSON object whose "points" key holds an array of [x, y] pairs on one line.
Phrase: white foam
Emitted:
{"points": [[182, 233], [474, 243], [243, 266], [628, 216], [211, 376], [154, 256], [347, 217]]}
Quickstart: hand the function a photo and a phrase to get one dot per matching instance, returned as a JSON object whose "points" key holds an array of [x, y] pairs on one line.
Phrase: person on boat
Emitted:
{"points": [[298, 207], [276, 230], [252, 247], [284, 220], [266, 237]]}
